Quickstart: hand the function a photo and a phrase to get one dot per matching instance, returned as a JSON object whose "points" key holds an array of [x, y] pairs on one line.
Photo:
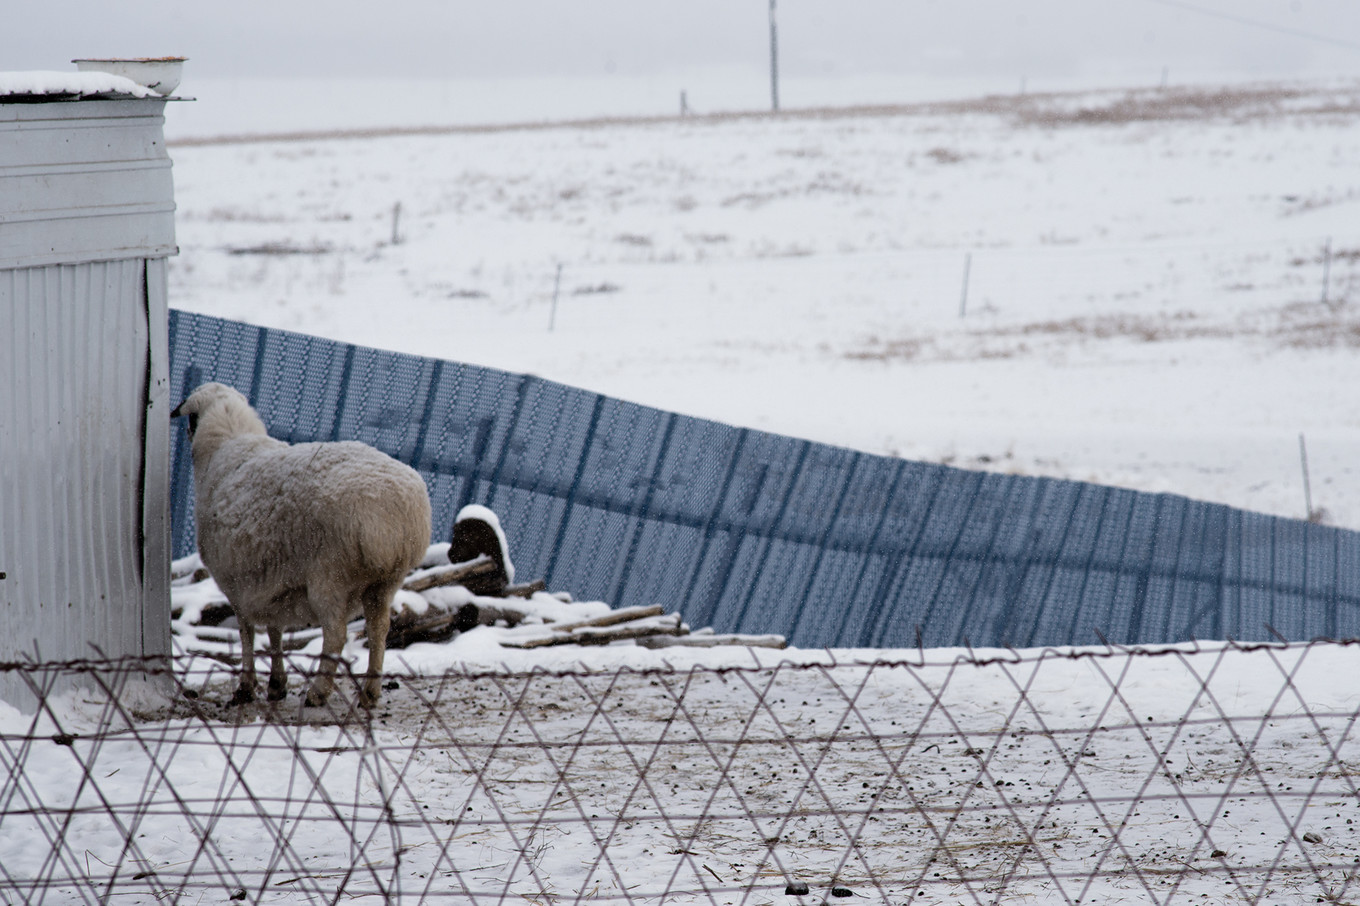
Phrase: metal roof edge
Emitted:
{"points": [[54, 258]]}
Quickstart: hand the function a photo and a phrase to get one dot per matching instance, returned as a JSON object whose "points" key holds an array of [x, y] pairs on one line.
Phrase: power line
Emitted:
{"points": [[1257, 23]]}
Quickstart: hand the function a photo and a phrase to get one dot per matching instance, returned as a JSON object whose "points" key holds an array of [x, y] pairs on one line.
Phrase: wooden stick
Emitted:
{"points": [[438, 624], [437, 576], [526, 590], [435, 627], [669, 624], [713, 641], [614, 617], [592, 635], [491, 614]]}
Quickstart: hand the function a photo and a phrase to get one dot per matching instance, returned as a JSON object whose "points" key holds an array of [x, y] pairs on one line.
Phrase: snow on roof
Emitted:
{"points": [[55, 84]]}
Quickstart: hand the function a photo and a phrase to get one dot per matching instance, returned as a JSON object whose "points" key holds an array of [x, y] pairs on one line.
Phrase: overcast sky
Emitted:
{"points": [[493, 38]]}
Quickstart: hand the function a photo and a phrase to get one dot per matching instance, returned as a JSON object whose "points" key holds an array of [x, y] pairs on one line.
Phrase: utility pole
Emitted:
{"points": [[774, 62], [1326, 271]]}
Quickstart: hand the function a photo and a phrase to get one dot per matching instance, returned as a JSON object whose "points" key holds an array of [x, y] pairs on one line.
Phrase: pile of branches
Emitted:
{"points": [[650, 627], [534, 617]]}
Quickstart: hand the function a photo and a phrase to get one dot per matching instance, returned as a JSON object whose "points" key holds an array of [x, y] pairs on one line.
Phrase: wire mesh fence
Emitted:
{"points": [[1221, 771]]}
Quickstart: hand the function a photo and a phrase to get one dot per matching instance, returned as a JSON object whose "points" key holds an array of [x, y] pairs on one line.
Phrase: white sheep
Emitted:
{"points": [[301, 534]]}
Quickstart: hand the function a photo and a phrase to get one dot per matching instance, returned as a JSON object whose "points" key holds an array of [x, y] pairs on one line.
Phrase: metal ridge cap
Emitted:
{"points": [[55, 258]]}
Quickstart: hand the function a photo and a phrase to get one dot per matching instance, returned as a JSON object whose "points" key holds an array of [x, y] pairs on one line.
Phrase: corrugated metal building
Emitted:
{"points": [[86, 225]]}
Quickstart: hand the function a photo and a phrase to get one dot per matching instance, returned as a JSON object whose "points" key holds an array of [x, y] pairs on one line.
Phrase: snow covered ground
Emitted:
{"points": [[1215, 774], [1130, 287], [1144, 306]]}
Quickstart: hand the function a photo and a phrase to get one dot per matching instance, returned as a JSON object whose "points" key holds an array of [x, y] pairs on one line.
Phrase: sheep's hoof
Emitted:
{"points": [[244, 696], [315, 699], [277, 691]]}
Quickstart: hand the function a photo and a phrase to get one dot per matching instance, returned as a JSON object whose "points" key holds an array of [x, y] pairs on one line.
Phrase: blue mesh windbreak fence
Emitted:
{"points": [[752, 532]]}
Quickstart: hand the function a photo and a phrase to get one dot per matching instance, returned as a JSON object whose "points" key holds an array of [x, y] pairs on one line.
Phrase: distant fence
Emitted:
{"points": [[1183, 776], [753, 532]]}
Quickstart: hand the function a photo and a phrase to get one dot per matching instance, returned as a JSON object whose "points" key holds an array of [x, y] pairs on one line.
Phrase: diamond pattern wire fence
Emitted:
{"points": [[1220, 772]]}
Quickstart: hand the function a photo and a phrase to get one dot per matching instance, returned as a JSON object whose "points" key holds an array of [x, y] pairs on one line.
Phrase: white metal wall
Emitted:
{"points": [[86, 219], [84, 181]]}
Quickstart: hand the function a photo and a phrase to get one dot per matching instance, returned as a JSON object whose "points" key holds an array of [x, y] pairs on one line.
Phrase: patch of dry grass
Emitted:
{"points": [[1310, 325], [1170, 104], [1045, 109], [1299, 325], [1011, 340]]}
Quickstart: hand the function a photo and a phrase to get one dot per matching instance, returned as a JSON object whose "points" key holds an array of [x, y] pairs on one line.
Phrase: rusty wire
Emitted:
{"points": [[952, 777]]}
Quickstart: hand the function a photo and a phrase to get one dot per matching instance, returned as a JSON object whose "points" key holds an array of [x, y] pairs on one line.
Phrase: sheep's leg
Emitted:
{"points": [[245, 692], [333, 631], [278, 683], [377, 617]]}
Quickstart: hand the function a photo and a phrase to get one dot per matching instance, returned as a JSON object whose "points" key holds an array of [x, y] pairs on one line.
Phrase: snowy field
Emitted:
{"points": [[1144, 306], [1153, 289]]}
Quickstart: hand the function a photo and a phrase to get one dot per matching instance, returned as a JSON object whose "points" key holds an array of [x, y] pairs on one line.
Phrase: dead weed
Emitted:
{"points": [[1300, 325]]}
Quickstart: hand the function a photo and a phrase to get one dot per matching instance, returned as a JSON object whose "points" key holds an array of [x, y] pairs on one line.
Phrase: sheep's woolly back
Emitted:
{"points": [[344, 504], [286, 528]]}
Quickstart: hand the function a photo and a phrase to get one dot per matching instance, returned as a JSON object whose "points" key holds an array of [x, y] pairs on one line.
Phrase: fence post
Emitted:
{"points": [[1326, 271], [557, 285], [967, 269], [1307, 488]]}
